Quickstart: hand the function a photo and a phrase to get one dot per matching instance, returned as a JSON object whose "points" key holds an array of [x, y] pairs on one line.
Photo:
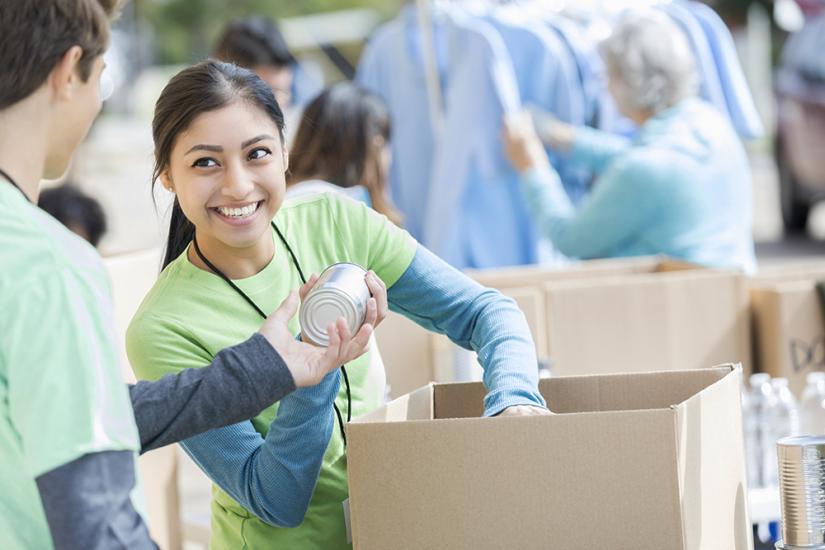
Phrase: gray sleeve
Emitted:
{"points": [[241, 382], [88, 507]]}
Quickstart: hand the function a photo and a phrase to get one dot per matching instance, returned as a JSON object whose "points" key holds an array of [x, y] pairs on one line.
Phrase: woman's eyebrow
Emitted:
{"points": [[249, 142], [203, 147]]}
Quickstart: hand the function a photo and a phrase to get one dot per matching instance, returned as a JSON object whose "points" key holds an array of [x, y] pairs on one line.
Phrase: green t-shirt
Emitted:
{"points": [[191, 314], [61, 389]]}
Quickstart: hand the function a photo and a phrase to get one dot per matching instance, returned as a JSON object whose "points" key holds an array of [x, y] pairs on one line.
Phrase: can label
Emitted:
{"points": [[341, 291]]}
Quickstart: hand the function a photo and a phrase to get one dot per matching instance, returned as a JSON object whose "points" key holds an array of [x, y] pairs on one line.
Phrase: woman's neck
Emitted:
{"points": [[235, 263]]}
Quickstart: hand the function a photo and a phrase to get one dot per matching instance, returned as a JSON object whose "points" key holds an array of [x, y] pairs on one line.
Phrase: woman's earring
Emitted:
{"points": [[166, 181]]}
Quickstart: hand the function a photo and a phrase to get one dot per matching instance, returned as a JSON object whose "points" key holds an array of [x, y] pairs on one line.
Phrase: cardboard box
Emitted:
{"points": [[618, 315], [675, 319], [789, 331], [623, 315], [631, 461], [407, 353], [132, 275]]}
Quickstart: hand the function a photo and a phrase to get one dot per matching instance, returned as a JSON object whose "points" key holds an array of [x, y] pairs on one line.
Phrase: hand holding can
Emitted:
{"points": [[342, 291]]}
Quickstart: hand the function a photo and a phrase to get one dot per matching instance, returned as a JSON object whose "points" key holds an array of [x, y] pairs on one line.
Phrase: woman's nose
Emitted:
{"points": [[237, 183]]}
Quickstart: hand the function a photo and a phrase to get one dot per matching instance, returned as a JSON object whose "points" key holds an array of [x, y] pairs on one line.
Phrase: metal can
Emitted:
{"points": [[802, 489], [341, 291]]}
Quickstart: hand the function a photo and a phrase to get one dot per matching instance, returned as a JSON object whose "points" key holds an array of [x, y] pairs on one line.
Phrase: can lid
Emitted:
{"points": [[801, 440], [321, 309], [780, 545]]}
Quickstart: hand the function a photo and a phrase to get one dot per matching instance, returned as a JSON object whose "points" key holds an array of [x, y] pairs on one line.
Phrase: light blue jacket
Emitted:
{"points": [[681, 188]]}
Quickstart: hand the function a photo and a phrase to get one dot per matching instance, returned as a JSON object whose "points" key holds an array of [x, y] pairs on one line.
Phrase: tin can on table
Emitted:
{"points": [[802, 490], [341, 291]]}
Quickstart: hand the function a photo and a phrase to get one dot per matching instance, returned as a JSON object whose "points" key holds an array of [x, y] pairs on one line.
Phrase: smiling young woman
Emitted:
{"points": [[235, 250]]}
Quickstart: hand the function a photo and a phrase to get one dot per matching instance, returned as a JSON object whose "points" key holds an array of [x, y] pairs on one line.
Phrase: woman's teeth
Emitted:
{"points": [[238, 212]]}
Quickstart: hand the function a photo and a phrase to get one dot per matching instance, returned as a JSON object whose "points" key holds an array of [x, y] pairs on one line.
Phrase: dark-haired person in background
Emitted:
{"points": [[79, 212], [343, 145], [69, 429], [256, 43]]}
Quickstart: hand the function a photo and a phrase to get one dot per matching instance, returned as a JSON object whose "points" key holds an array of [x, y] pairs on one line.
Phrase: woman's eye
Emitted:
{"points": [[204, 162], [259, 153]]}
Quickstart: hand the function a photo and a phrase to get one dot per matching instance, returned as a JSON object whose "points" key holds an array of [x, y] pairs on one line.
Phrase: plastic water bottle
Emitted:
{"points": [[748, 436], [812, 406], [754, 422], [782, 421]]}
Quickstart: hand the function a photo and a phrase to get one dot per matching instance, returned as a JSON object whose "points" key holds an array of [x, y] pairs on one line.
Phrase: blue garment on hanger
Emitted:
{"points": [[710, 88], [477, 216], [547, 77], [739, 100], [587, 65], [392, 66]]}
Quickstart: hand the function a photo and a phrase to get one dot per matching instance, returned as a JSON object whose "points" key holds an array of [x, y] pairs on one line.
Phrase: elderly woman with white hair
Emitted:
{"points": [[682, 187]]}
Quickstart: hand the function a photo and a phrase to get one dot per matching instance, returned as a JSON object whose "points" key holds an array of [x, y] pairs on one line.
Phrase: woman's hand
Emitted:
{"points": [[525, 410], [379, 293], [521, 144], [310, 364], [551, 131]]}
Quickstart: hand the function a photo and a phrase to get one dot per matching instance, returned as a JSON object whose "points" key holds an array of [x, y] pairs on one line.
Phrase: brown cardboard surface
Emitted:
{"points": [[407, 353], [529, 275], [789, 333], [588, 393], [615, 474], [599, 316], [707, 464], [675, 319]]}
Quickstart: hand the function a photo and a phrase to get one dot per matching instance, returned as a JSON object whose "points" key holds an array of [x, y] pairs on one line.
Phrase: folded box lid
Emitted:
{"points": [[564, 394]]}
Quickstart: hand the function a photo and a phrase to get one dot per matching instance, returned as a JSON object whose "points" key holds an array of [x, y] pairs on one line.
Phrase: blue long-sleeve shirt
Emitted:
{"points": [[682, 188], [274, 477]]}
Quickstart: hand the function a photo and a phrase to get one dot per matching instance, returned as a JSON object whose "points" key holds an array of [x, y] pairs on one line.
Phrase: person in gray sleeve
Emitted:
{"points": [[70, 430]]}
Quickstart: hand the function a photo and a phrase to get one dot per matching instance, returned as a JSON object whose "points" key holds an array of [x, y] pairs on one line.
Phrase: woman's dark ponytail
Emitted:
{"points": [[181, 233]]}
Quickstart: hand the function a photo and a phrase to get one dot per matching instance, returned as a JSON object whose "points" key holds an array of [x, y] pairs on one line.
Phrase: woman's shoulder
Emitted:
{"points": [[316, 207], [318, 186]]}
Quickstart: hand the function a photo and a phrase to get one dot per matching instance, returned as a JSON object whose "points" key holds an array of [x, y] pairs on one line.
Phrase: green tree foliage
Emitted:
{"points": [[184, 30]]}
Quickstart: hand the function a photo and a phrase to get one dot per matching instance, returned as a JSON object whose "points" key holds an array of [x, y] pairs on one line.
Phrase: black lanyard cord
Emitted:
{"points": [[14, 183], [249, 300]]}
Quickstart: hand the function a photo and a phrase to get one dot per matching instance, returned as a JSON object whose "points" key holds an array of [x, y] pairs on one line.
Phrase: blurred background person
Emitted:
{"points": [[343, 144], [79, 212], [256, 43], [681, 187]]}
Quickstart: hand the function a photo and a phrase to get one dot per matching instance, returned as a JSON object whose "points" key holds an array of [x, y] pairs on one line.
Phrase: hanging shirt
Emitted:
{"points": [[738, 98], [682, 188], [61, 391], [547, 77], [710, 86], [392, 66], [476, 216]]}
